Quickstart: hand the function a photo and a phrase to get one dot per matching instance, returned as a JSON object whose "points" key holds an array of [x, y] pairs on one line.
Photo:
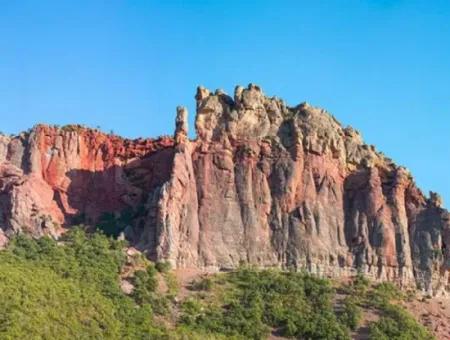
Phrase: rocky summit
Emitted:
{"points": [[263, 183]]}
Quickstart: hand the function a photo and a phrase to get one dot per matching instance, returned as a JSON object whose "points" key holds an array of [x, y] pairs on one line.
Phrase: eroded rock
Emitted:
{"points": [[263, 183]]}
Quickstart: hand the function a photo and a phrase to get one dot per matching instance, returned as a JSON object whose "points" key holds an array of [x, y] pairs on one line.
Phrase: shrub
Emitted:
{"points": [[397, 324], [172, 284], [203, 284], [69, 290], [383, 293], [351, 313], [251, 302], [145, 284], [110, 225], [163, 267], [360, 285], [36, 301]]}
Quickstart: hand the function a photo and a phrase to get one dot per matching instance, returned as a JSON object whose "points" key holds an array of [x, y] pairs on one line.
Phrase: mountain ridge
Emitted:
{"points": [[262, 183]]}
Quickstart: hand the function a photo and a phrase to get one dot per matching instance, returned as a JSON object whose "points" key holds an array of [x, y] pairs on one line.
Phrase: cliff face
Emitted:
{"points": [[263, 183], [51, 178]]}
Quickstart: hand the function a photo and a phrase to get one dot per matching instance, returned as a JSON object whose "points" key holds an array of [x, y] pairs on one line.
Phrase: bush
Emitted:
{"points": [[205, 284], [69, 290], [248, 303], [351, 313], [397, 324], [172, 284], [360, 286], [145, 284], [384, 293], [163, 267], [36, 301], [112, 225]]}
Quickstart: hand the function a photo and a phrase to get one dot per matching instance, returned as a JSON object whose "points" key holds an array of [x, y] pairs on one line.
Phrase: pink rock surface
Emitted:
{"points": [[50, 177], [262, 183]]}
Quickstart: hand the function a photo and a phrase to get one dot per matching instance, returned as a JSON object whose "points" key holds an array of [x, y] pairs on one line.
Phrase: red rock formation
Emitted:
{"points": [[281, 186], [50, 177], [263, 183]]}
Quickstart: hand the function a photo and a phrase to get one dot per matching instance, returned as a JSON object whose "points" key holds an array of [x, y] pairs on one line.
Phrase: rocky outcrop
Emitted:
{"points": [[263, 183], [52, 177], [290, 187]]}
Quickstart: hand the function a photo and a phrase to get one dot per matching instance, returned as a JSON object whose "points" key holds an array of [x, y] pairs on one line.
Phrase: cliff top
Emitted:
{"points": [[250, 115]]}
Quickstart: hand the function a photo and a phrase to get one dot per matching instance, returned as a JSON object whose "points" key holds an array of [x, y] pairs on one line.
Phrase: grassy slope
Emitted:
{"points": [[71, 289]]}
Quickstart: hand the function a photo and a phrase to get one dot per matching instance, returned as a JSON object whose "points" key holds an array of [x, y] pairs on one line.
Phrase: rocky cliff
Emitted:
{"points": [[263, 183]]}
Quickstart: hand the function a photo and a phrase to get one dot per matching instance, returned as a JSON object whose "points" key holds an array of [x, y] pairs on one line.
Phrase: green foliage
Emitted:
{"points": [[358, 288], [203, 284], [437, 253], [68, 290], [397, 324], [72, 127], [185, 333], [383, 294], [36, 301], [145, 283], [163, 267], [71, 289], [247, 303], [360, 284], [351, 313], [172, 284], [112, 225], [93, 258]]}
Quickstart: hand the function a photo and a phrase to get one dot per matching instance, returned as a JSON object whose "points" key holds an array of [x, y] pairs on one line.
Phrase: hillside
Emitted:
{"points": [[89, 286]]}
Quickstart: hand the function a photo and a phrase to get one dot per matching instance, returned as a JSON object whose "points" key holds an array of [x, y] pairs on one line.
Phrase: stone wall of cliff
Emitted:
{"points": [[51, 178], [274, 185], [263, 183]]}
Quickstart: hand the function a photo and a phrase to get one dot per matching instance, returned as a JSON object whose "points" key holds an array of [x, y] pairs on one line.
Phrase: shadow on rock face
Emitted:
{"points": [[105, 197]]}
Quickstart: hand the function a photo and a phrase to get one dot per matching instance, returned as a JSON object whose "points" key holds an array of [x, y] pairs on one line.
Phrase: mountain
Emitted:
{"points": [[263, 183]]}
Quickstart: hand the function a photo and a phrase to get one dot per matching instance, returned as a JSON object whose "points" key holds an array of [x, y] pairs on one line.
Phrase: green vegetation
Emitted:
{"points": [[395, 322], [71, 289], [113, 224], [42, 304], [68, 291], [248, 303], [163, 267], [351, 314], [72, 127], [437, 253]]}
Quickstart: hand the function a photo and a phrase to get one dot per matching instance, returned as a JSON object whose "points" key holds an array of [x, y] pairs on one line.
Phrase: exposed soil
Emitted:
{"points": [[185, 277], [434, 313]]}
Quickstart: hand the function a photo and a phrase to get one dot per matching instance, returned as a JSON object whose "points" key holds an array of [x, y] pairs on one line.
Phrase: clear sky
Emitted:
{"points": [[381, 66]]}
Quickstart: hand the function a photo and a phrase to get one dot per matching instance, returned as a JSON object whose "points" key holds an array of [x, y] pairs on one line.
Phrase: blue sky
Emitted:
{"points": [[381, 66]]}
